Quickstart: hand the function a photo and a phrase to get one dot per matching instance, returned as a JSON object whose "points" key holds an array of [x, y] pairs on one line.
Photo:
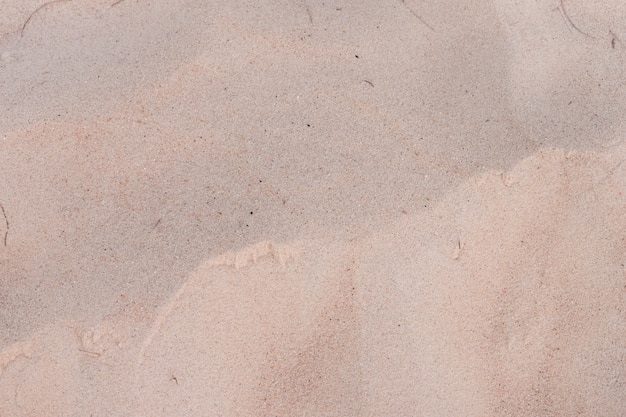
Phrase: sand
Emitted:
{"points": [[297, 208]]}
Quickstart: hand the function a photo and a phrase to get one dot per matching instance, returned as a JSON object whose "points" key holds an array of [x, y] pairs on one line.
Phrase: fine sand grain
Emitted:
{"points": [[296, 208]]}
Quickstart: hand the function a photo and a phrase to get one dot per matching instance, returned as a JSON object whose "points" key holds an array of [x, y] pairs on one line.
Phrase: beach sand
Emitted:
{"points": [[297, 208]]}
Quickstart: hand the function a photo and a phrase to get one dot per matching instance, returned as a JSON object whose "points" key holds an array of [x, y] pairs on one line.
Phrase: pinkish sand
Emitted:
{"points": [[297, 208]]}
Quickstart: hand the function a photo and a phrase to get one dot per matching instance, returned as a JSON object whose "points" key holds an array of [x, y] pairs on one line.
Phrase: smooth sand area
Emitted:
{"points": [[302, 208]]}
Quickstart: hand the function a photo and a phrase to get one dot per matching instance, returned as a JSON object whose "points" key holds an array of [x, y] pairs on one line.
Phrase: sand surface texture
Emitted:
{"points": [[304, 208]]}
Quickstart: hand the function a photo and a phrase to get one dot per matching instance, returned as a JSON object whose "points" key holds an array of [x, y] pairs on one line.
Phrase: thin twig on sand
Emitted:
{"points": [[43, 6]]}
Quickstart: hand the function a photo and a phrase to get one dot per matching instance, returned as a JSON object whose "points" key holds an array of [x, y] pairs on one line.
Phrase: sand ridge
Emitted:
{"points": [[319, 327]]}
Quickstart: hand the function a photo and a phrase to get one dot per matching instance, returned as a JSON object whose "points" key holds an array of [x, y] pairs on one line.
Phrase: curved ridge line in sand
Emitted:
{"points": [[15, 351], [283, 254], [238, 260]]}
